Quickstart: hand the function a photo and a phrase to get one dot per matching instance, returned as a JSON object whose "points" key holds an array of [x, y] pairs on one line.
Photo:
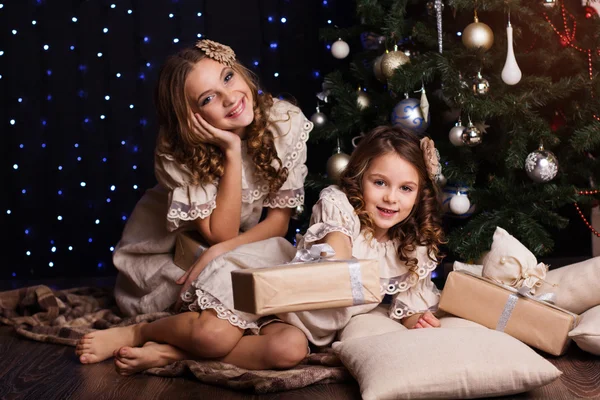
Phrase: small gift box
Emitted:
{"points": [[532, 320], [188, 247], [306, 286]]}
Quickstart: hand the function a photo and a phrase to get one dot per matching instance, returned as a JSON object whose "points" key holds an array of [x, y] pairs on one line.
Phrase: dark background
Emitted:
{"points": [[77, 119]]}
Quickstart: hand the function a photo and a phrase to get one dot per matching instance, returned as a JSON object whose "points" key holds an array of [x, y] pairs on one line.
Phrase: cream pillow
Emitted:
{"points": [[374, 323], [443, 363], [587, 333], [578, 287]]}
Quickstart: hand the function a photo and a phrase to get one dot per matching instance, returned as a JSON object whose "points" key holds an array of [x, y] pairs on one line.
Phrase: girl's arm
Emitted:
{"points": [[224, 222], [340, 243], [275, 224]]}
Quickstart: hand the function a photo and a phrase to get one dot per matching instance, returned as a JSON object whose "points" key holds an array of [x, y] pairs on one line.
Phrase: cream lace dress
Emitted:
{"points": [[332, 213], [144, 255]]}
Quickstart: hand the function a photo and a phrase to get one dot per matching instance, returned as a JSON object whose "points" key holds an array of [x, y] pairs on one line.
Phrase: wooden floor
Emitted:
{"points": [[42, 371]]}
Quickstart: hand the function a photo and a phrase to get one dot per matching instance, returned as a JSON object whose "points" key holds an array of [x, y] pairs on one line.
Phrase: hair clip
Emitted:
{"points": [[432, 158], [217, 51]]}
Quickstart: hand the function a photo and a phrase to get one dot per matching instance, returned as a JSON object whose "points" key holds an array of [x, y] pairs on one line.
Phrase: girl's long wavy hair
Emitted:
{"points": [[422, 227], [204, 160]]}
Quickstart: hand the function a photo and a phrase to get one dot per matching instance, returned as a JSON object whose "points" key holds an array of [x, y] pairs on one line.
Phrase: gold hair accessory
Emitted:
{"points": [[217, 51], [432, 158]]}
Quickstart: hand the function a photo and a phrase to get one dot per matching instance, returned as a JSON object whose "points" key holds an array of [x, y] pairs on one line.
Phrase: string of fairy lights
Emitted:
{"points": [[77, 116]]}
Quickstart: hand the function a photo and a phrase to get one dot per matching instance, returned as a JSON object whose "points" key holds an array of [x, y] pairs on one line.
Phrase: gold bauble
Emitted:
{"points": [[336, 165], [391, 61], [377, 69], [478, 35], [362, 100]]}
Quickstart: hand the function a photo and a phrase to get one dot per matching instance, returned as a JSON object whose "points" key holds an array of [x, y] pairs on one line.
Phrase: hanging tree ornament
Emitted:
{"points": [[377, 69], [439, 7], [541, 165], [362, 99], [337, 163], [511, 74], [409, 115], [460, 203], [318, 118], [478, 35], [393, 60], [340, 49], [455, 134], [481, 86], [471, 136], [549, 3]]}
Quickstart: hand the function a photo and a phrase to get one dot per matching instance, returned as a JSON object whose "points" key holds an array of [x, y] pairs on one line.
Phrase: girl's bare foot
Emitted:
{"points": [[131, 360], [99, 345]]}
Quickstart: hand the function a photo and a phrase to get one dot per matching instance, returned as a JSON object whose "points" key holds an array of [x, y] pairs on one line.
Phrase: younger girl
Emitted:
{"points": [[386, 209], [224, 152]]}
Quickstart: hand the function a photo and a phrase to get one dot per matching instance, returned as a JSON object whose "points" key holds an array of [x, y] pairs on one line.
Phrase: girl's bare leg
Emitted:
{"points": [[279, 346], [203, 335]]}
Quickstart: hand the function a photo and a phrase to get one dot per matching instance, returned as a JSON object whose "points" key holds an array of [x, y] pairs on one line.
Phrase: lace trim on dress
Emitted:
{"points": [[323, 231], [285, 199], [250, 196], [400, 309], [405, 281], [199, 300], [183, 212]]}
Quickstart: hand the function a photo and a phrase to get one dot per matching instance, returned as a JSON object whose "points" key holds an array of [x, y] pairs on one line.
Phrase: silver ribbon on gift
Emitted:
{"points": [[511, 302], [313, 254]]}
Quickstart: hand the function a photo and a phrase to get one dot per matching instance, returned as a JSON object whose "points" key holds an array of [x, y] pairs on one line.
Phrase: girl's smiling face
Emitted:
{"points": [[390, 186], [220, 95]]}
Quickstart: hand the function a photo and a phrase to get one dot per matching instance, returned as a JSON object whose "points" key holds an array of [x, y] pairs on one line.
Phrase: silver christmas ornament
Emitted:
{"points": [[409, 114], [541, 165], [318, 118], [455, 134], [481, 86], [471, 136]]}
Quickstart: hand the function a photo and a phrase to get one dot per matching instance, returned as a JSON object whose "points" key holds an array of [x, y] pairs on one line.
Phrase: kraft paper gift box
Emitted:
{"points": [[534, 322], [306, 286], [188, 247]]}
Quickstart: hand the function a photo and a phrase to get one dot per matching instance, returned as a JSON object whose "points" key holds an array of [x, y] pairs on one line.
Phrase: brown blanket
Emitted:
{"points": [[63, 316]]}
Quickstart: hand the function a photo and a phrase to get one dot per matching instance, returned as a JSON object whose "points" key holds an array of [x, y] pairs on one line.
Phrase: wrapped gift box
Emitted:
{"points": [[188, 247], [306, 286], [534, 322]]}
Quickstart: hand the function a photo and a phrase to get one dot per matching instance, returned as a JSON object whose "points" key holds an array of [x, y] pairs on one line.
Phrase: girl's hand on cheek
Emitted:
{"points": [[225, 140]]}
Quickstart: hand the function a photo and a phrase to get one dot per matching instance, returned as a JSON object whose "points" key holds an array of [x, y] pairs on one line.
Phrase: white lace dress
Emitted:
{"points": [[144, 255], [332, 213]]}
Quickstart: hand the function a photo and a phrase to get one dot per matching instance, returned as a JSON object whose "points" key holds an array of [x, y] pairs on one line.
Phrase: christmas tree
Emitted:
{"points": [[508, 90]]}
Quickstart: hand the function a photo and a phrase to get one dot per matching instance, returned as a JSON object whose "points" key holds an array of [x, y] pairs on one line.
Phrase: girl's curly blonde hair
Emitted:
{"points": [[204, 160], [422, 227]]}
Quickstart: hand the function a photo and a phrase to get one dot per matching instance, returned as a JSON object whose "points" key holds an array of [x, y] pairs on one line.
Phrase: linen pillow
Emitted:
{"points": [[374, 323], [587, 333], [578, 287], [443, 363]]}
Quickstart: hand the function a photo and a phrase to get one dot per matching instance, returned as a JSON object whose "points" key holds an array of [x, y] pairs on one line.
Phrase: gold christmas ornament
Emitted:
{"points": [[478, 35], [337, 163], [480, 85], [391, 61], [377, 69], [362, 99]]}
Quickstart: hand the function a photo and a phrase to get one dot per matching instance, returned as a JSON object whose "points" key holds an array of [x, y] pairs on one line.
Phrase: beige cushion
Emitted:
{"points": [[443, 363], [374, 323], [455, 322], [587, 333], [511, 263], [578, 287]]}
